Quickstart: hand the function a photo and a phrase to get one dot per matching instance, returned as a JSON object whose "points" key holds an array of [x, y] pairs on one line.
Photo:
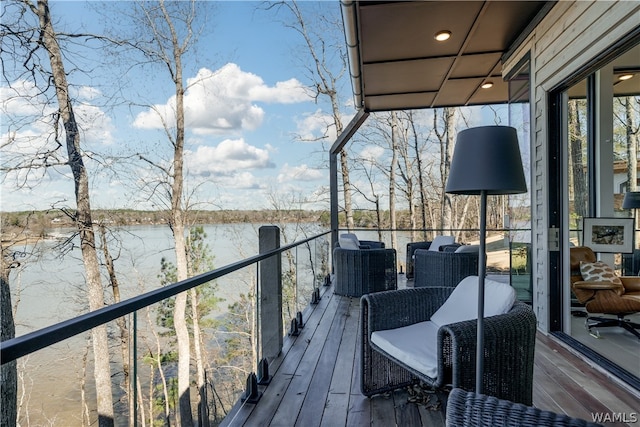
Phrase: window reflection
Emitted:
{"points": [[602, 146]]}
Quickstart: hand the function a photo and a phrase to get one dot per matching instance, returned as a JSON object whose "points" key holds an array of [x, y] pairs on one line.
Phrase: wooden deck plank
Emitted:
{"points": [[577, 380], [563, 389], [316, 388], [607, 391], [314, 401], [407, 414], [292, 400], [282, 369], [335, 411], [359, 412]]}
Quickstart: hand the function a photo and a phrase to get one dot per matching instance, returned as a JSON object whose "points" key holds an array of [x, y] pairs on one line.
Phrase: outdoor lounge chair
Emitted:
{"points": [[446, 268], [469, 409], [362, 267], [429, 334], [434, 245]]}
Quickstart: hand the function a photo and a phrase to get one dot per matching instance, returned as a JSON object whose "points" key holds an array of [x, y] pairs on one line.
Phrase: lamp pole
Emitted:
{"points": [[482, 270]]}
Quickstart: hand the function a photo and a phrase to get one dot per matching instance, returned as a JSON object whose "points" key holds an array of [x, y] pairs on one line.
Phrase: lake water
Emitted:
{"points": [[51, 288]]}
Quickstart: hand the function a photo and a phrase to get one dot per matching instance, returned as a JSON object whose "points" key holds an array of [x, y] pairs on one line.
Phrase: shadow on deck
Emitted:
{"points": [[316, 381]]}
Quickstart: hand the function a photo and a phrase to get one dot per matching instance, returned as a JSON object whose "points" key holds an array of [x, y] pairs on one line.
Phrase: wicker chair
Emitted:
{"points": [[359, 272], [469, 409], [443, 268], [509, 346], [414, 246]]}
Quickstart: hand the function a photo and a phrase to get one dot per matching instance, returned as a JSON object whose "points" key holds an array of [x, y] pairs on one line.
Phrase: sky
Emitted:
{"points": [[250, 118]]}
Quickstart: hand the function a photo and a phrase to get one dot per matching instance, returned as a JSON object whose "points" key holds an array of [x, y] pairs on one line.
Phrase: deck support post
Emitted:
{"points": [[270, 295]]}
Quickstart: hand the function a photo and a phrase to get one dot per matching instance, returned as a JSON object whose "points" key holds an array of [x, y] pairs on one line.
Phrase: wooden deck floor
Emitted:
{"points": [[316, 382]]}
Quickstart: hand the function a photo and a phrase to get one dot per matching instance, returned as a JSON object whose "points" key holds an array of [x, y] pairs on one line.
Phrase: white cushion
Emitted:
{"points": [[349, 241], [462, 304], [468, 248], [414, 345], [439, 241]]}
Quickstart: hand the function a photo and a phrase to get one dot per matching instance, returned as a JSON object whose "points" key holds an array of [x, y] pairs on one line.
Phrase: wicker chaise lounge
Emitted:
{"points": [[469, 409], [509, 345]]}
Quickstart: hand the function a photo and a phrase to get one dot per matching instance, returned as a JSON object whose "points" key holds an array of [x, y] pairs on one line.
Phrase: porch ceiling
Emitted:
{"points": [[397, 64]]}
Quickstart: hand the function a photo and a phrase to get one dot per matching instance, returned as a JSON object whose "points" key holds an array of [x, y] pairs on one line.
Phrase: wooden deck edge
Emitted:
{"points": [[554, 342], [241, 411]]}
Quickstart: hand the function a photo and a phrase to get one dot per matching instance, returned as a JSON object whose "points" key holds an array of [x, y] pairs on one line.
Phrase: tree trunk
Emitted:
{"points": [[177, 226], [577, 171], [632, 144], [120, 322], [421, 185], [203, 415], [102, 371], [447, 154], [392, 179], [9, 374]]}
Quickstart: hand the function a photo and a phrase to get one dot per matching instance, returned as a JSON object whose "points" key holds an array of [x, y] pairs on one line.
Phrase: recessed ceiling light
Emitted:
{"points": [[442, 35], [487, 85], [625, 76]]}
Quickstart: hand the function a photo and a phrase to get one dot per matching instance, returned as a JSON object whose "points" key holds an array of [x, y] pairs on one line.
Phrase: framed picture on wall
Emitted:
{"points": [[611, 235]]}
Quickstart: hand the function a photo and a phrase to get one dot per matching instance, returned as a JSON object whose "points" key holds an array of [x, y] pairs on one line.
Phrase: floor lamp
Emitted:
{"points": [[486, 161]]}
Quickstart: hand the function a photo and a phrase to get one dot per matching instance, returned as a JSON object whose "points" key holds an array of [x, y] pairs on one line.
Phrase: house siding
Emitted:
{"points": [[571, 35]]}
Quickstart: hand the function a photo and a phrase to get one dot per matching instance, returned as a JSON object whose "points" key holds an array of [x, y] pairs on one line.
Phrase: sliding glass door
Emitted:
{"points": [[594, 135]]}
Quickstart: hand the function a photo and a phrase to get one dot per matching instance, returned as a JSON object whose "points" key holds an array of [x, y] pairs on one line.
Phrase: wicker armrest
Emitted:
{"points": [[469, 409], [509, 344]]}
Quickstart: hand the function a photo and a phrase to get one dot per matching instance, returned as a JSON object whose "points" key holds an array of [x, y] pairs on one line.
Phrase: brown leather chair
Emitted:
{"points": [[619, 300]]}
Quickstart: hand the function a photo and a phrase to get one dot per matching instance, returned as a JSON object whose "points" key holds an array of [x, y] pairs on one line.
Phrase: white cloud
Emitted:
{"points": [[222, 101], [22, 99], [300, 173], [371, 153], [316, 127], [243, 180], [227, 158], [96, 125], [319, 126], [287, 92], [88, 93]]}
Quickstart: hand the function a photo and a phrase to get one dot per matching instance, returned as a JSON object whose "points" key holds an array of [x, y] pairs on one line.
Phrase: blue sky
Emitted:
{"points": [[247, 109]]}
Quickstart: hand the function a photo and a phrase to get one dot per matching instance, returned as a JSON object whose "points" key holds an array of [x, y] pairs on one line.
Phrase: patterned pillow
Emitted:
{"points": [[598, 272]]}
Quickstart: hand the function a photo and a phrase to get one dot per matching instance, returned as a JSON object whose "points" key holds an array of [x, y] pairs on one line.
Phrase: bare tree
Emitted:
{"points": [[407, 171], [392, 178], [65, 150], [577, 173], [166, 32], [417, 151], [446, 137], [328, 65], [628, 117]]}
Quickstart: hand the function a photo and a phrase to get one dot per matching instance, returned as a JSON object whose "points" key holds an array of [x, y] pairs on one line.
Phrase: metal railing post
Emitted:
{"points": [[270, 294]]}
